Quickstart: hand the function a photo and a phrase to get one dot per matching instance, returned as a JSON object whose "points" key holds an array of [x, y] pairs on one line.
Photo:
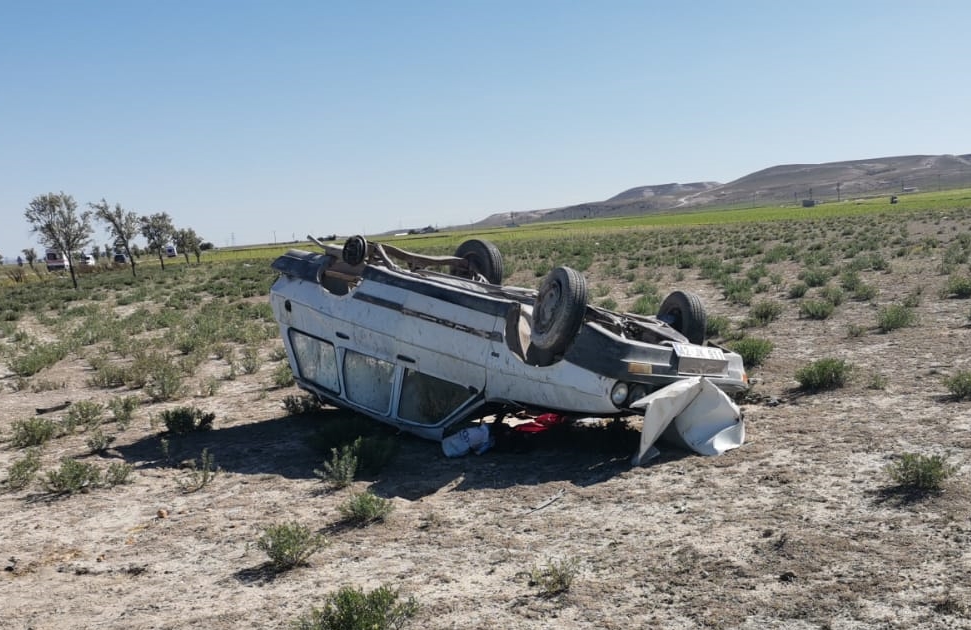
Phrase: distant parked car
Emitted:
{"points": [[86, 260], [170, 251], [55, 260], [120, 258]]}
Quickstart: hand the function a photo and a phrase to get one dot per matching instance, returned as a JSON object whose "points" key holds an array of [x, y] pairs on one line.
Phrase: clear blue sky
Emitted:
{"points": [[253, 120]]}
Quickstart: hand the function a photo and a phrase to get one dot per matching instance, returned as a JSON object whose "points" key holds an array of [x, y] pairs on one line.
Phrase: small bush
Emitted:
{"points": [[765, 311], [895, 316], [958, 287], [98, 441], [554, 578], [353, 609], [864, 292], [107, 376], [289, 545], [185, 420], [200, 474], [72, 477], [816, 309], [798, 290], [86, 413], [118, 473], [340, 469], [718, 326], [855, 330], [960, 385], [122, 408], [814, 277], [916, 472], [754, 351], [823, 374], [283, 375], [365, 508], [251, 360], [833, 295], [165, 381], [300, 405], [22, 471], [32, 432]]}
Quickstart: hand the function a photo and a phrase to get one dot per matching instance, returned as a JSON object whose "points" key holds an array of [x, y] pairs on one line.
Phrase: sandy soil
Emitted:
{"points": [[796, 529]]}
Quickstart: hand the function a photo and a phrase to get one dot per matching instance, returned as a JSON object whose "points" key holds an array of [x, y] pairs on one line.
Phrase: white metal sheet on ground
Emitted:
{"points": [[693, 412]]}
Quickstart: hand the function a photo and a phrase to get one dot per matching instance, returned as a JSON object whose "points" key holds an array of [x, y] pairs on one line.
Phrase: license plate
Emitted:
{"points": [[699, 352]]}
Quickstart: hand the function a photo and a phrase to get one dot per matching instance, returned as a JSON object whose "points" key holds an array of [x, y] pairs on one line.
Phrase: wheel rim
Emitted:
{"points": [[546, 306]]}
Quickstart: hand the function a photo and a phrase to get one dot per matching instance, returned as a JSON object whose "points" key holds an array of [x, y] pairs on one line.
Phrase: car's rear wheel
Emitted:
{"points": [[686, 314], [559, 310], [484, 259]]}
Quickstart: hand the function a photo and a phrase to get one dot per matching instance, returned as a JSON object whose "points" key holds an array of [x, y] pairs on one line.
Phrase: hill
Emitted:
{"points": [[788, 183]]}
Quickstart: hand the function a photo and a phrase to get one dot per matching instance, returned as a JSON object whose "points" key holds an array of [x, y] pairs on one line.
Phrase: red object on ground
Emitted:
{"points": [[541, 423]]}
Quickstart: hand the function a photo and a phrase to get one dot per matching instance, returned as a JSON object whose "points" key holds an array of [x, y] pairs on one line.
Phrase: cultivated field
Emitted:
{"points": [[119, 510]]}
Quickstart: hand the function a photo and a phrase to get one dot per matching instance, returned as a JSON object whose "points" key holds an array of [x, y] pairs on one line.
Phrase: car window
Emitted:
{"points": [[368, 381], [427, 399], [316, 360]]}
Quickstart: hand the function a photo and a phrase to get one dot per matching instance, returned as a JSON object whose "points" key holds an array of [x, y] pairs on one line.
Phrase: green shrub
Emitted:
{"points": [[916, 472], [118, 473], [718, 326], [165, 381], [365, 508], [864, 293], [185, 420], [251, 360], [895, 316], [22, 471], [283, 375], [798, 290], [72, 477], [646, 305], [340, 469], [300, 405], [98, 441], [107, 376], [960, 385], [609, 303], [765, 311], [555, 577], [850, 280], [200, 474], [38, 357], [816, 309], [814, 277], [289, 545], [353, 609], [833, 295], [754, 351], [855, 330], [33, 432], [86, 413], [122, 408], [958, 286], [823, 374]]}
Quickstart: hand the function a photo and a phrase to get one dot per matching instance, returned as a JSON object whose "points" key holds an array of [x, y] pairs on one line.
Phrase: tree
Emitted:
{"points": [[56, 221], [158, 231], [187, 240], [122, 225], [30, 255]]}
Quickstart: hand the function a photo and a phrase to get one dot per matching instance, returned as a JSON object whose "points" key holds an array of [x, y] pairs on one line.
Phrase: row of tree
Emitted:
{"points": [[59, 226]]}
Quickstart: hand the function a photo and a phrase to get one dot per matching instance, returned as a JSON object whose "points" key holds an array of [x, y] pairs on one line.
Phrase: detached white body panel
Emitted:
{"points": [[692, 413]]}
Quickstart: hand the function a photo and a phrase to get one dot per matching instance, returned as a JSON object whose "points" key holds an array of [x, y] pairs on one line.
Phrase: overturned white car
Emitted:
{"points": [[373, 328]]}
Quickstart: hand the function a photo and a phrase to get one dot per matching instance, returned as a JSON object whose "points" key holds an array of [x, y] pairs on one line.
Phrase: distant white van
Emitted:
{"points": [[170, 251]]}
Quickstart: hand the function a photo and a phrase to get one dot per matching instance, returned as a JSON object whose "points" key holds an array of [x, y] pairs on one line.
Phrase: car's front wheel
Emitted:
{"points": [[685, 313], [559, 310]]}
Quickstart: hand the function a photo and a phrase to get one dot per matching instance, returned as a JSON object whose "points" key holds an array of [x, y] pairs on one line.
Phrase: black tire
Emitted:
{"points": [[559, 310], [686, 314], [484, 259], [355, 251]]}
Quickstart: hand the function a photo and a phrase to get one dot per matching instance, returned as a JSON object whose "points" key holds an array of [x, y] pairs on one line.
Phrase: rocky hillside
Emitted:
{"points": [[789, 183]]}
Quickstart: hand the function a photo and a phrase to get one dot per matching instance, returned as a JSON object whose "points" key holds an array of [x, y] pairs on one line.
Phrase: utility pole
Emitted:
{"points": [[837, 191]]}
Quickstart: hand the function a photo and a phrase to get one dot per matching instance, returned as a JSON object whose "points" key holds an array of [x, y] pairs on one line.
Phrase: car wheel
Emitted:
{"points": [[484, 259], [355, 251], [559, 310], [686, 314]]}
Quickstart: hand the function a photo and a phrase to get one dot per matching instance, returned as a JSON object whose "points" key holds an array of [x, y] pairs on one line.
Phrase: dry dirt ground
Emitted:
{"points": [[796, 529]]}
